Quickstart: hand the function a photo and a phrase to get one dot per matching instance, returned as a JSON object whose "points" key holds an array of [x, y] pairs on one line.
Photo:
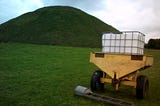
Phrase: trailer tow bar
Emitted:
{"points": [[85, 92]]}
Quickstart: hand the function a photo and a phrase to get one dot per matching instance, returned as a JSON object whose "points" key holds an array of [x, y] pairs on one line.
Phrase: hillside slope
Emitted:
{"points": [[55, 25]]}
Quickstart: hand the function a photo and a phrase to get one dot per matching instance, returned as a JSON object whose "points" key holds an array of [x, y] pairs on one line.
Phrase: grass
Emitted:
{"points": [[47, 75]]}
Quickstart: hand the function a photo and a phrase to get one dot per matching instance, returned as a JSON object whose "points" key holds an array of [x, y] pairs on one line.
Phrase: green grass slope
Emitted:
{"points": [[41, 75], [55, 25]]}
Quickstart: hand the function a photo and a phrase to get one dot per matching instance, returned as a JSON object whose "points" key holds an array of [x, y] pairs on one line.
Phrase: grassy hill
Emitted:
{"points": [[55, 25]]}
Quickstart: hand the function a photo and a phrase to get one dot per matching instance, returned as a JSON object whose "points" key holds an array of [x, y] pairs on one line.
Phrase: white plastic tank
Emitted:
{"points": [[129, 42]]}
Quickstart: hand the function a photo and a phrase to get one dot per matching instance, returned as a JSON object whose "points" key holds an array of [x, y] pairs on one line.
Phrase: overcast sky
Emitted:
{"points": [[139, 15]]}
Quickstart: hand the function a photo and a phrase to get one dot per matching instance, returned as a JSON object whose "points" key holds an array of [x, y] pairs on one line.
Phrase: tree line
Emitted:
{"points": [[153, 44]]}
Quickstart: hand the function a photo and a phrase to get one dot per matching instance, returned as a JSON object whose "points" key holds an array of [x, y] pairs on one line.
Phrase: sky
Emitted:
{"points": [[125, 15]]}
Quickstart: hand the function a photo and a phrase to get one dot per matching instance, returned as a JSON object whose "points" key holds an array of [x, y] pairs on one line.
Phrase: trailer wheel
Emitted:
{"points": [[142, 87], [96, 84]]}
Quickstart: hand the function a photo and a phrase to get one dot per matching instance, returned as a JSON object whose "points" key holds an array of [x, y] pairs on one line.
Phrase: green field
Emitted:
{"points": [[40, 75]]}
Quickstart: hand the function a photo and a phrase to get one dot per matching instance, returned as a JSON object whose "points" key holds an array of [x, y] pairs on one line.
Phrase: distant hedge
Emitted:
{"points": [[153, 44]]}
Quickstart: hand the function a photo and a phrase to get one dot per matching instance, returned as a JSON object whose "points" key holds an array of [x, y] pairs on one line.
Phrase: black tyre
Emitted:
{"points": [[142, 87], [96, 84]]}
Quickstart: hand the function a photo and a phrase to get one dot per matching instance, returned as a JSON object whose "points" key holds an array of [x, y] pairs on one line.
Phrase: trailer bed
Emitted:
{"points": [[121, 64]]}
